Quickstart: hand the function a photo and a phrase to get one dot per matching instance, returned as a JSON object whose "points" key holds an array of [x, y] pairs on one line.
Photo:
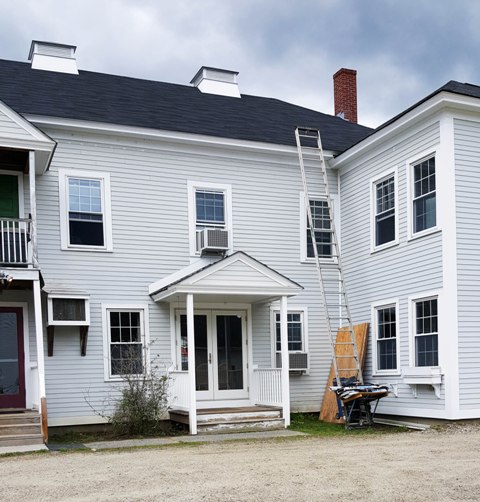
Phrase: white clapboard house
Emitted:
{"points": [[147, 219]]}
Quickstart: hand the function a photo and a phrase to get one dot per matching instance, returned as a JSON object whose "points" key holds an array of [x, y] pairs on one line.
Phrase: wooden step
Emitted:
{"points": [[31, 417], [20, 427], [230, 420], [246, 425], [21, 440]]}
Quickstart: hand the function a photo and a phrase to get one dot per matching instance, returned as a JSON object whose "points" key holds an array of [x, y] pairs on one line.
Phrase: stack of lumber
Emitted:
{"points": [[329, 406]]}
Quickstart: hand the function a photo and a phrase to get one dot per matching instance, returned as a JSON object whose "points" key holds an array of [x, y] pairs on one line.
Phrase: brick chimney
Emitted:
{"points": [[345, 94]]}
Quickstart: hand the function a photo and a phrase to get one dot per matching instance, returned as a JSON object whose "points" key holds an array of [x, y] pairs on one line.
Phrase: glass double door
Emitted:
{"points": [[220, 353], [12, 373]]}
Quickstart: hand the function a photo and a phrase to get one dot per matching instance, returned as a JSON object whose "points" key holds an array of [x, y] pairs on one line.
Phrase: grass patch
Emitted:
{"points": [[86, 434], [310, 424]]}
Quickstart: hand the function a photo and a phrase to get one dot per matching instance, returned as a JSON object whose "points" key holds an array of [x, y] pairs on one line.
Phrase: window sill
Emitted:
{"points": [[424, 233], [388, 245], [326, 261], [91, 249], [383, 374], [117, 379]]}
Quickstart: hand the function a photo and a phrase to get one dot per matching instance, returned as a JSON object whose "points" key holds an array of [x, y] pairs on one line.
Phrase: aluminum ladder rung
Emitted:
{"points": [[330, 274]]}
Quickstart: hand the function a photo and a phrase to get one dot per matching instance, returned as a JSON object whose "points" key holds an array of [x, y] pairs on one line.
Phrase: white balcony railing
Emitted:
{"points": [[15, 244], [267, 386]]}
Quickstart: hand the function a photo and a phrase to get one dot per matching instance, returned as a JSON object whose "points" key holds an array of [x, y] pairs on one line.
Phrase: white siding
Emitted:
{"points": [[150, 241], [467, 177], [406, 269], [10, 129]]}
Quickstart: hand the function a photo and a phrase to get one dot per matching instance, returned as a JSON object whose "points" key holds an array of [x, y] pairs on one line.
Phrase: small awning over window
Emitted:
{"points": [[235, 278]]}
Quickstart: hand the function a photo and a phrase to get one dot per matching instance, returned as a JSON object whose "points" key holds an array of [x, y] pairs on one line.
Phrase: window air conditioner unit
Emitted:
{"points": [[298, 361], [212, 240]]}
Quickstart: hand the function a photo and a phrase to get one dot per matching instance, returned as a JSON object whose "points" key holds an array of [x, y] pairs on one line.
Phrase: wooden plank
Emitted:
{"points": [[329, 406]]}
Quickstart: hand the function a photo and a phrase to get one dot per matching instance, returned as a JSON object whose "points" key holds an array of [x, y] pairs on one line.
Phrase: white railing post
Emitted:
{"points": [[285, 361], [192, 412], [33, 206]]}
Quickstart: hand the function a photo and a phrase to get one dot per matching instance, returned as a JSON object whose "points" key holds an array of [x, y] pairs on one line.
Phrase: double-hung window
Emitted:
{"points": [[126, 347], [85, 210], [384, 211], [426, 332], [295, 332], [424, 196], [322, 229], [209, 209], [386, 334]]}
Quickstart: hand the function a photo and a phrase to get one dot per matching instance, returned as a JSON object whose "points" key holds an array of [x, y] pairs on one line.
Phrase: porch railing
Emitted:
{"points": [[15, 241], [179, 392], [267, 386]]}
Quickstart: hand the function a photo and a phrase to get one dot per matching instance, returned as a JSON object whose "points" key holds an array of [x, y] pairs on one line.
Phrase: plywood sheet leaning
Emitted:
{"points": [[329, 406]]}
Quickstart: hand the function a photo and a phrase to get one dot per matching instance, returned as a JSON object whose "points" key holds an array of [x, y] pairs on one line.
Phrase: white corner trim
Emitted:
{"points": [[104, 178], [448, 302]]}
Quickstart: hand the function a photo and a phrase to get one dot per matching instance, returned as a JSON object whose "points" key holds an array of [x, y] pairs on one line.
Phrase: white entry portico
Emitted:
{"points": [[212, 334]]}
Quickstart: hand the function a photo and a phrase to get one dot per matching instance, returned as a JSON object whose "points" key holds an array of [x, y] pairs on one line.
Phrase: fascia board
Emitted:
{"points": [[436, 103], [159, 134]]}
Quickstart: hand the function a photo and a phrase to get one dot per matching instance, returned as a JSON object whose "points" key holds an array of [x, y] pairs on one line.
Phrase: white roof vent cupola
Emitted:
{"points": [[53, 57], [217, 81]]}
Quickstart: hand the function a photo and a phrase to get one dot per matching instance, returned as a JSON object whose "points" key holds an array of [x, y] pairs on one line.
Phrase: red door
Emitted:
{"points": [[12, 360]]}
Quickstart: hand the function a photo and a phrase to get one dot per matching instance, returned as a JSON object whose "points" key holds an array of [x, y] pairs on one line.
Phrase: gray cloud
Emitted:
{"points": [[289, 50]]}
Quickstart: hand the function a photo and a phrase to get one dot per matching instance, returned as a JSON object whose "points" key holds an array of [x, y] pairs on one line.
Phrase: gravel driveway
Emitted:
{"points": [[412, 466]]}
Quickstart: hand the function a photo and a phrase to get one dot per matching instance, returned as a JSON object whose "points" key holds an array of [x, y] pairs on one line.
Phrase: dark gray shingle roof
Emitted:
{"points": [[134, 102]]}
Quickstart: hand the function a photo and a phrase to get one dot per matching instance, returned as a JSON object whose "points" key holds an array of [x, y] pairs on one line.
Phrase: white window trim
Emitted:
{"points": [[428, 295], [292, 309], [411, 235], [373, 205], [303, 225], [52, 322], [192, 186], [104, 178], [21, 198], [126, 307], [393, 302]]}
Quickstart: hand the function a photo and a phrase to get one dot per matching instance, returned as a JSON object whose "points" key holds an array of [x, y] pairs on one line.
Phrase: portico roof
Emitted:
{"points": [[235, 278]]}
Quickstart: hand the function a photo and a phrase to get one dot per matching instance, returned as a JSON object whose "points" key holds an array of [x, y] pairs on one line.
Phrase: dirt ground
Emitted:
{"points": [[431, 465]]}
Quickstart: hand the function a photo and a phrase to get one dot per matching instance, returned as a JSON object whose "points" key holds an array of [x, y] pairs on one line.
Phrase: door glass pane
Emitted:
{"points": [[229, 352], [201, 349], [9, 364]]}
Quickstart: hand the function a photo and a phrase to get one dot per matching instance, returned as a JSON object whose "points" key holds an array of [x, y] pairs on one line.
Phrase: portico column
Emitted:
{"points": [[192, 411], [285, 360], [42, 395], [33, 206]]}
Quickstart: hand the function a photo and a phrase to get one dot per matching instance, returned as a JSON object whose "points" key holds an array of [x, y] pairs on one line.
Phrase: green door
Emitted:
{"points": [[8, 196]]}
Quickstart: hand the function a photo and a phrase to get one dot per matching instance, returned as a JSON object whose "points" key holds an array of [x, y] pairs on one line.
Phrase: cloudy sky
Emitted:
{"points": [[288, 49]]}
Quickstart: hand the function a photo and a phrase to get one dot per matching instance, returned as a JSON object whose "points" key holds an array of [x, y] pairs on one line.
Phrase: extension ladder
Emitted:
{"points": [[328, 262]]}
